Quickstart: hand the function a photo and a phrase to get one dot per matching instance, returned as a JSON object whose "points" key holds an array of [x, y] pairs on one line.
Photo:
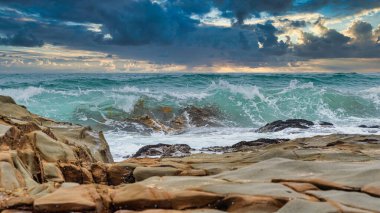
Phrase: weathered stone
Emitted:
{"points": [[163, 150], [52, 150], [51, 172], [118, 174], [281, 125], [350, 199], [79, 198], [298, 205], [10, 178], [142, 173]]}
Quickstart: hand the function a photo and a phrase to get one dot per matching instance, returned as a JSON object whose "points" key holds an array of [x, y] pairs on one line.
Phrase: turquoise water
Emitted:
{"points": [[246, 102]]}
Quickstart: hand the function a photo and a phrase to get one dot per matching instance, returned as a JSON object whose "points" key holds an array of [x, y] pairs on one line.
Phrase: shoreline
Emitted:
{"points": [[48, 166]]}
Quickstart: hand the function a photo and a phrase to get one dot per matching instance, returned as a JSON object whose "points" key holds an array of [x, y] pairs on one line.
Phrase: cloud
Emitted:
{"points": [[22, 39], [361, 32], [333, 44], [261, 33]]}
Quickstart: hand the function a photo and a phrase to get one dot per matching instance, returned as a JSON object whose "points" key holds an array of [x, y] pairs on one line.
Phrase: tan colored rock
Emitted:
{"points": [[52, 150], [372, 188], [300, 187], [71, 172], [79, 198], [142, 173], [118, 174], [299, 205], [274, 190], [10, 178], [99, 173], [243, 203], [351, 199], [138, 197], [51, 172]]}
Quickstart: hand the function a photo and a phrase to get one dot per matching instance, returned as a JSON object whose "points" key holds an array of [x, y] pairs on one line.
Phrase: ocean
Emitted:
{"points": [[244, 101]]}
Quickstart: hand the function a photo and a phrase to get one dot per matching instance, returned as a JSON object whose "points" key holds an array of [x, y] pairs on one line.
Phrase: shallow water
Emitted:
{"points": [[245, 101]]}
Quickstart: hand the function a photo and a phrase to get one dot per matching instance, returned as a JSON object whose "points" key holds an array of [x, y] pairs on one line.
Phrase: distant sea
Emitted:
{"points": [[246, 102]]}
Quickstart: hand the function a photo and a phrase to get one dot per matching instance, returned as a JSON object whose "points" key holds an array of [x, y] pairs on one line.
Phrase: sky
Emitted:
{"points": [[189, 36]]}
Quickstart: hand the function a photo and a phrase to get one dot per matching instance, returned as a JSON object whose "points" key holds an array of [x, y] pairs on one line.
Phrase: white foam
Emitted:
{"points": [[124, 143], [23, 94]]}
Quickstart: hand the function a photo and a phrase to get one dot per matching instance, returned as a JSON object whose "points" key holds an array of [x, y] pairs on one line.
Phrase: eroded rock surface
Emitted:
{"points": [[48, 166]]}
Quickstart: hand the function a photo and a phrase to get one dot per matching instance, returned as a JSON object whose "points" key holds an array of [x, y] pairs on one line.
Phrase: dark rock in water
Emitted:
{"points": [[150, 122], [258, 142], [281, 125], [163, 150], [244, 145], [324, 123], [205, 116], [370, 127]]}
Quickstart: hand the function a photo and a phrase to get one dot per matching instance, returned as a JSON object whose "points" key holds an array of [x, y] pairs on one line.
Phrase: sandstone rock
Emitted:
{"points": [[281, 125], [142, 173], [52, 150], [243, 203], [80, 198], [308, 206], [51, 172], [163, 150], [350, 199], [119, 173], [138, 197], [10, 178]]}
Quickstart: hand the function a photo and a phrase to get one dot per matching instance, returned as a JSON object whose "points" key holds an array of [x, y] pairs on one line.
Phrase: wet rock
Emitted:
{"points": [[203, 116], [151, 123], [370, 127], [258, 142], [163, 150], [324, 123], [281, 125]]}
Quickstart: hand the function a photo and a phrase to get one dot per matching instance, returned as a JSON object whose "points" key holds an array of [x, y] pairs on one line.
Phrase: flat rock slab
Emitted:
{"points": [[308, 206], [78, 198], [254, 189], [330, 174], [351, 199]]}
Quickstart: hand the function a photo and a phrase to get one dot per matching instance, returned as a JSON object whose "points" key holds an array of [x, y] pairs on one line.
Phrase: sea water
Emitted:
{"points": [[246, 102]]}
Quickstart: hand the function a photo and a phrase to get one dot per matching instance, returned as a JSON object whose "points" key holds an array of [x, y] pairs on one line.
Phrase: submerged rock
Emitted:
{"points": [[258, 142], [163, 150], [370, 127], [281, 125], [203, 116]]}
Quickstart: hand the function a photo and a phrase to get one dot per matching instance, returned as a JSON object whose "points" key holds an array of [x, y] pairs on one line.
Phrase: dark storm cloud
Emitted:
{"points": [[332, 44], [170, 25], [242, 9], [24, 39], [337, 7]]}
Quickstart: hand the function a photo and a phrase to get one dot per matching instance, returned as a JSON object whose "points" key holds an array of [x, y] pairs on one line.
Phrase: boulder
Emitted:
{"points": [[281, 125], [72, 199], [163, 150], [258, 142], [202, 116], [142, 173]]}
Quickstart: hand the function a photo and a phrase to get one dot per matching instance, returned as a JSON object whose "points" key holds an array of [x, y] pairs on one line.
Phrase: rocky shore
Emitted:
{"points": [[48, 166]]}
